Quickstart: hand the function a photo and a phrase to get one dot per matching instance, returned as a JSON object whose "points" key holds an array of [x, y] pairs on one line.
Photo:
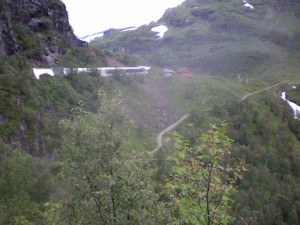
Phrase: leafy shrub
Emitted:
{"points": [[56, 2], [202, 13], [30, 44], [280, 39]]}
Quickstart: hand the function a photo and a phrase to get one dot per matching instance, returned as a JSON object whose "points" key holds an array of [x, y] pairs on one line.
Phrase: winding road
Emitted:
{"points": [[256, 92], [171, 127], [162, 133]]}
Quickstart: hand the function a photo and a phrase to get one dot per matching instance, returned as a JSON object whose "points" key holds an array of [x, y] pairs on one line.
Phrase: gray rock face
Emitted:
{"points": [[7, 42], [45, 20]]}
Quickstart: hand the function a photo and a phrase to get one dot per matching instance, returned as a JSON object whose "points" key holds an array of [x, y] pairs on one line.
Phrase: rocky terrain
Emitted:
{"points": [[38, 29]]}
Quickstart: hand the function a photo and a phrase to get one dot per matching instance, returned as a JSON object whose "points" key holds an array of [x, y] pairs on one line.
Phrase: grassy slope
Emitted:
{"points": [[183, 95], [219, 38], [265, 140]]}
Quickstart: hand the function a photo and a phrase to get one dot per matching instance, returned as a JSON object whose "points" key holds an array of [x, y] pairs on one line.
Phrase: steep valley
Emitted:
{"points": [[76, 148]]}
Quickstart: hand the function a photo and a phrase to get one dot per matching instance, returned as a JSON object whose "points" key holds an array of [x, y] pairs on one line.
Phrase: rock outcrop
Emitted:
{"points": [[39, 29]]}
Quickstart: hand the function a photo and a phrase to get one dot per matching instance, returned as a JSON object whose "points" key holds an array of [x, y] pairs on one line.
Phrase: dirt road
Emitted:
{"points": [[162, 133], [256, 92], [170, 128]]}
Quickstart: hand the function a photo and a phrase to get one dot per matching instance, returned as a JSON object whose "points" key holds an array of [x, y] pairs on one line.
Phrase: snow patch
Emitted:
{"points": [[294, 106], [247, 5], [130, 29], [90, 38], [161, 30]]}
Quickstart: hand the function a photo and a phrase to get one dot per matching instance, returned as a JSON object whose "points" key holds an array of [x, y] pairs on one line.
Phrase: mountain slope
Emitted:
{"points": [[217, 37]]}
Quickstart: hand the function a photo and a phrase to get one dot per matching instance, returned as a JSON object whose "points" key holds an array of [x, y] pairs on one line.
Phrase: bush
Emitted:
{"points": [[30, 45]]}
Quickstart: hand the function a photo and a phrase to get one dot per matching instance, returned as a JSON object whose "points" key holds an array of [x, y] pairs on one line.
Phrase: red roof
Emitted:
{"points": [[184, 71]]}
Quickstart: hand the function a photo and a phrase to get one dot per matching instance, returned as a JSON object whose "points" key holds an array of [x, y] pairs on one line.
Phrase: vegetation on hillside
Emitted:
{"points": [[203, 181], [75, 151], [220, 38], [266, 140]]}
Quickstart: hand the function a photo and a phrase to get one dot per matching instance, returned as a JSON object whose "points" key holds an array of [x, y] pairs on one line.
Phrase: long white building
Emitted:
{"points": [[103, 71]]}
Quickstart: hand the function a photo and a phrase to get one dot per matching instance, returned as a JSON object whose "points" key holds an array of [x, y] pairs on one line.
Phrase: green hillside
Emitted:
{"points": [[265, 134], [216, 37], [78, 149]]}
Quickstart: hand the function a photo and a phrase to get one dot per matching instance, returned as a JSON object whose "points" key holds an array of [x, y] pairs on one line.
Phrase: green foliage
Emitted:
{"points": [[58, 92], [216, 37], [82, 57], [294, 95], [51, 214], [29, 42], [203, 181], [15, 92], [30, 109], [86, 86], [25, 185], [269, 147], [109, 186], [56, 2], [129, 59]]}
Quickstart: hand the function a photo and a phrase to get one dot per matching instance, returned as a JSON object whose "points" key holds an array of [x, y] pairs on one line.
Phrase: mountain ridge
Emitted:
{"points": [[216, 37]]}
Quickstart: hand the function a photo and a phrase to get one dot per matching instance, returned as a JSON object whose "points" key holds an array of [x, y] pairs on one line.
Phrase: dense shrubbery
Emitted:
{"points": [[29, 43], [30, 109], [82, 57], [266, 139], [25, 188]]}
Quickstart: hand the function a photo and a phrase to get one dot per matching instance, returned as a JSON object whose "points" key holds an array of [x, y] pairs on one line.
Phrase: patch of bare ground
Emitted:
{"points": [[161, 110]]}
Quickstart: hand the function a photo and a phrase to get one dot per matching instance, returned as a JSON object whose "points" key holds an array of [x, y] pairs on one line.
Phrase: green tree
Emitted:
{"points": [[203, 180], [109, 185], [25, 187]]}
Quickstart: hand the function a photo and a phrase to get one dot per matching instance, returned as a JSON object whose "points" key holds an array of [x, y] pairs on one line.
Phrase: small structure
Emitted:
{"points": [[169, 72], [109, 71], [40, 71], [103, 71], [183, 72], [179, 72]]}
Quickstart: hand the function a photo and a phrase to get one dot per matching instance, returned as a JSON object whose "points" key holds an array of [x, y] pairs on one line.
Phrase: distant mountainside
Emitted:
{"points": [[224, 37], [37, 29]]}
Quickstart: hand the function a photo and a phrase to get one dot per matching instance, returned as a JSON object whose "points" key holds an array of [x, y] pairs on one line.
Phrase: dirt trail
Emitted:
{"points": [[256, 92], [162, 133], [170, 128]]}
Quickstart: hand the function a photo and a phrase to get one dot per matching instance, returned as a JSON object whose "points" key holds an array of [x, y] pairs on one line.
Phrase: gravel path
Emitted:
{"points": [[171, 127], [256, 92], [162, 133]]}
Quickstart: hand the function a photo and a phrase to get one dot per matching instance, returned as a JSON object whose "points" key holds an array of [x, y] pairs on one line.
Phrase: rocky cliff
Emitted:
{"points": [[38, 29]]}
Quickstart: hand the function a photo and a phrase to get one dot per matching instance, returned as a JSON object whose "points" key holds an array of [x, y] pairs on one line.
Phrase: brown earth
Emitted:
{"points": [[161, 111]]}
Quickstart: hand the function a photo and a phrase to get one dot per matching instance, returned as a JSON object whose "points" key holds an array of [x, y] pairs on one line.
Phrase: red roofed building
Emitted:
{"points": [[183, 72]]}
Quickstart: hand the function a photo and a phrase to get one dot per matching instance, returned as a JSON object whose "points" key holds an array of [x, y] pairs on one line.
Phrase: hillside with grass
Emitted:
{"points": [[216, 37], [66, 113], [265, 134], [78, 148]]}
